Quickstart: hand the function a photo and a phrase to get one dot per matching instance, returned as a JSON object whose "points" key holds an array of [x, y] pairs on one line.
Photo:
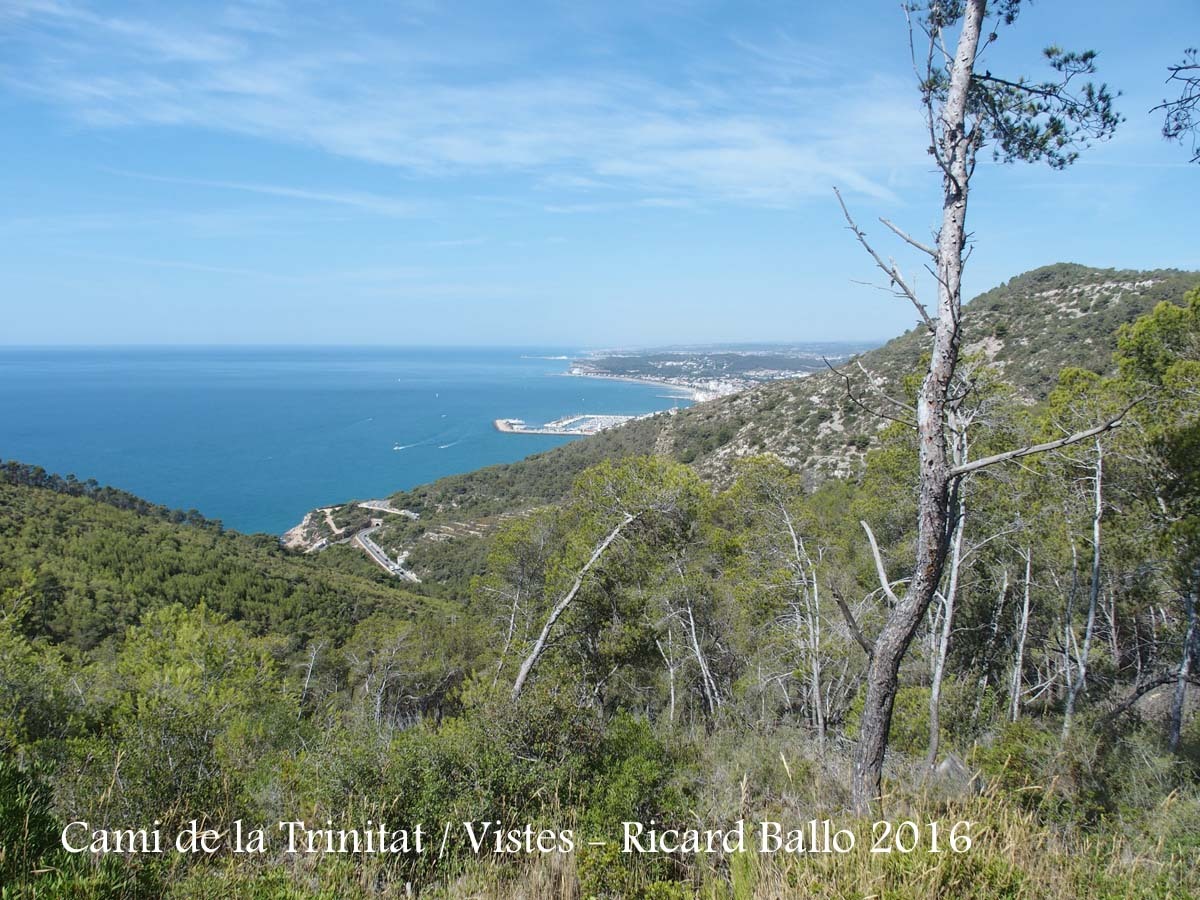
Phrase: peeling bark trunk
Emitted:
{"points": [[956, 155]]}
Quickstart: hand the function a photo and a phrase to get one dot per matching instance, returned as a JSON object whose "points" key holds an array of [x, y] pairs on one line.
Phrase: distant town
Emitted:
{"points": [[706, 373], [698, 374]]}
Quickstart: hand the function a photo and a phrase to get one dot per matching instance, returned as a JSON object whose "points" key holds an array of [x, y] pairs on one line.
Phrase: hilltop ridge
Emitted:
{"points": [[1031, 327]]}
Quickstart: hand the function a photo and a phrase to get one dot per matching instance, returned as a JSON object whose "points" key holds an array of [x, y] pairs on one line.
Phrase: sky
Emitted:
{"points": [[535, 173]]}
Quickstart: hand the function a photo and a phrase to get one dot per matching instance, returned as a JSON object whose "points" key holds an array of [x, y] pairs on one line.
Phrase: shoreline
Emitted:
{"points": [[693, 393]]}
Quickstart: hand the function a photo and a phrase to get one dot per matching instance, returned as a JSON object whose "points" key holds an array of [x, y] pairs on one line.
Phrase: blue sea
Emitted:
{"points": [[257, 436]]}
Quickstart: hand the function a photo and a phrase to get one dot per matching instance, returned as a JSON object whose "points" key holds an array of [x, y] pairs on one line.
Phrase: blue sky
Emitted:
{"points": [[562, 173]]}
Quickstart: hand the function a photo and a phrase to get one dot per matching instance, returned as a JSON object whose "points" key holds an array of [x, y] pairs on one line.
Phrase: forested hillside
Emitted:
{"points": [[1027, 329], [95, 569], [650, 645]]}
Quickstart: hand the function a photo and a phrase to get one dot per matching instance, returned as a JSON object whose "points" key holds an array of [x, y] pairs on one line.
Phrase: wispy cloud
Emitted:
{"points": [[438, 103], [189, 266], [370, 202]]}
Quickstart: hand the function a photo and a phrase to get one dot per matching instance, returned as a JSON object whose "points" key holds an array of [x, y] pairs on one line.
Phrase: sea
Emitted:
{"points": [[257, 436]]}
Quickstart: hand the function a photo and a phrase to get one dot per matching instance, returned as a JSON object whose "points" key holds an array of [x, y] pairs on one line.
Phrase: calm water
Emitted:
{"points": [[257, 436]]}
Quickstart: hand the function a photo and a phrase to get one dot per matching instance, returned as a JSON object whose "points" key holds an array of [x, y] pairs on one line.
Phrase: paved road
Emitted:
{"points": [[363, 539], [386, 506]]}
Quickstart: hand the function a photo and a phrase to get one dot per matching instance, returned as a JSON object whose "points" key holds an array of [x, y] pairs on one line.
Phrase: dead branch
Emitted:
{"points": [[540, 645], [1112, 423], [889, 269], [852, 623], [1141, 691], [859, 403], [906, 237], [907, 407], [879, 569]]}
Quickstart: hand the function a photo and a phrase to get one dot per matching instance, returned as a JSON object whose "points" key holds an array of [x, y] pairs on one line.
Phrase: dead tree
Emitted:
{"points": [[539, 646], [965, 109], [1181, 116], [1077, 679], [1185, 663], [1016, 682]]}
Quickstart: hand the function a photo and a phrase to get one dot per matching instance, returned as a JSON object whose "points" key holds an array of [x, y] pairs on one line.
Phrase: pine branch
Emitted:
{"points": [[1112, 423]]}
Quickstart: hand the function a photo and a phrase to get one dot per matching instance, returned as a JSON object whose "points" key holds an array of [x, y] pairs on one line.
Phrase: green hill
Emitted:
{"points": [[703, 662], [97, 567], [1030, 328]]}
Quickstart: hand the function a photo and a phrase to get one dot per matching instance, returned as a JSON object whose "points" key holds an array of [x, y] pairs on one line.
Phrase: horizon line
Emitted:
{"points": [[252, 345]]}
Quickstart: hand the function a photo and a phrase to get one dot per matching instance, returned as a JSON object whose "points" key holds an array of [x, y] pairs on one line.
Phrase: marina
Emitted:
{"points": [[567, 425]]}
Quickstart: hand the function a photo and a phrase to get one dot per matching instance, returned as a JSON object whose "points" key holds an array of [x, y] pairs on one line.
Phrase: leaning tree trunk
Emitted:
{"points": [[539, 645], [956, 152]]}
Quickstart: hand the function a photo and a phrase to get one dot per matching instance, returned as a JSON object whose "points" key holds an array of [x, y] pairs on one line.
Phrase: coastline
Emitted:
{"points": [[694, 393]]}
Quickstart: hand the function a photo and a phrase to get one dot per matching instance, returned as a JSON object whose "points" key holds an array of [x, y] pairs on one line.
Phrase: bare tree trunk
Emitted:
{"points": [[814, 650], [1068, 638], [1015, 685], [308, 671], [508, 637], [1114, 640], [1185, 668], [539, 646], [956, 156], [379, 692], [1078, 683], [671, 665], [993, 635], [807, 573], [711, 697], [943, 645]]}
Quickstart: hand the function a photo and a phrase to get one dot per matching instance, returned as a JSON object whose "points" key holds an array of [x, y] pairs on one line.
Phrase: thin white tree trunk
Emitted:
{"points": [[943, 645], [706, 680], [559, 608], [312, 661], [814, 651], [1185, 669], [671, 665], [1015, 684], [508, 638], [981, 685], [807, 572], [1079, 682]]}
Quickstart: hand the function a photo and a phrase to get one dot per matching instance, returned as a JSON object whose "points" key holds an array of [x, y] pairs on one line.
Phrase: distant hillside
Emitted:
{"points": [[1031, 327], [92, 568], [711, 372]]}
